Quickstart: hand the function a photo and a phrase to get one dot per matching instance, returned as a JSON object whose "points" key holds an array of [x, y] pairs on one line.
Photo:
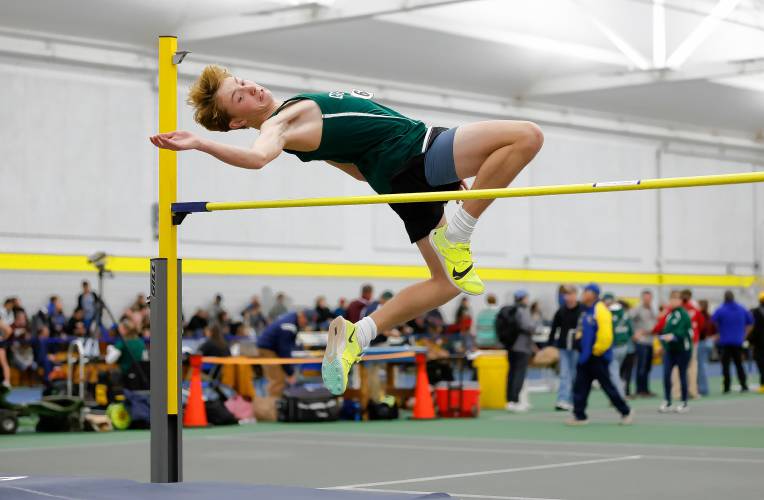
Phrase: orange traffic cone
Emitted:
{"points": [[195, 415], [423, 407]]}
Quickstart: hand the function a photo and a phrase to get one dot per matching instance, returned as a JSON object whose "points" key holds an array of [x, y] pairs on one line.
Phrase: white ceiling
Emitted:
{"points": [[574, 53]]}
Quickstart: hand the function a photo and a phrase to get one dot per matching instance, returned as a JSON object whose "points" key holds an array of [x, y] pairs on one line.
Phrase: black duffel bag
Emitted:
{"points": [[307, 404]]}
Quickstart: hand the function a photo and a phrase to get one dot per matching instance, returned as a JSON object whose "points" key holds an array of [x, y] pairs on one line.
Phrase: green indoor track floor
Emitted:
{"points": [[733, 420]]}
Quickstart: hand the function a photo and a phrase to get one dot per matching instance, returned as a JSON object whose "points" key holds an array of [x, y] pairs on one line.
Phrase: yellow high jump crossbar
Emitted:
{"points": [[180, 210]]}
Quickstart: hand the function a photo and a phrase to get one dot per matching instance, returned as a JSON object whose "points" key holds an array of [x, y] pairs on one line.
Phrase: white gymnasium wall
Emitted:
{"points": [[702, 229], [80, 176]]}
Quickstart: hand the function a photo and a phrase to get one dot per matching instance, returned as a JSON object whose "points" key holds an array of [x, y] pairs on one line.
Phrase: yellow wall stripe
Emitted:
{"points": [[76, 263]]}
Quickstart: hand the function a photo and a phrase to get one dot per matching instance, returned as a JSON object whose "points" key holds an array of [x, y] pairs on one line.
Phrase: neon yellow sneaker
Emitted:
{"points": [[342, 351], [456, 259]]}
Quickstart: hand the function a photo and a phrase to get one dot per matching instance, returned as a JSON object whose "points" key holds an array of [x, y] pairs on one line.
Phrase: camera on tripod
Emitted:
{"points": [[98, 260]]}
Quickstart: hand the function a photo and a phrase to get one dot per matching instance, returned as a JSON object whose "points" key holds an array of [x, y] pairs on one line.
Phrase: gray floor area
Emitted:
{"points": [[462, 467], [537, 458]]}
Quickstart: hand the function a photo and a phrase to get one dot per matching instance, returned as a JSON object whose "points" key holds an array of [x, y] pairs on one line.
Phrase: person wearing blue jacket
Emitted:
{"points": [[596, 339], [278, 340], [733, 321]]}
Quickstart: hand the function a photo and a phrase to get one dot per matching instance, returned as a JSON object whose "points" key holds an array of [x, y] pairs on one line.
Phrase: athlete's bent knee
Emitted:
{"points": [[531, 139]]}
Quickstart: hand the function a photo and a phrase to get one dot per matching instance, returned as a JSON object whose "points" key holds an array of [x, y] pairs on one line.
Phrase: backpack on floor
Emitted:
{"points": [[138, 404], [218, 414], [507, 326], [387, 409], [307, 404]]}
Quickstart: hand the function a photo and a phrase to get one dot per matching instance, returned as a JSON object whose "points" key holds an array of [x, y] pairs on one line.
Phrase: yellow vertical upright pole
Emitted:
{"points": [[168, 192], [166, 425]]}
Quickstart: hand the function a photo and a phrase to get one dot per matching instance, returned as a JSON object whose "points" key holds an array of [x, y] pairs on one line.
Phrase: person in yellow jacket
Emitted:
{"points": [[595, 331]]}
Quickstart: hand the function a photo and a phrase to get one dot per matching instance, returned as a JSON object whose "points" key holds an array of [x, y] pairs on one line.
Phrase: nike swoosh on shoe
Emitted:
{"points": [[462, 274]]}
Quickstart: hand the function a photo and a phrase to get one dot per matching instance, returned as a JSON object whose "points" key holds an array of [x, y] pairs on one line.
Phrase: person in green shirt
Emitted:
{"points": [[485, 323], [622, 332], [675, 334], [131, 347], [394, 154]]}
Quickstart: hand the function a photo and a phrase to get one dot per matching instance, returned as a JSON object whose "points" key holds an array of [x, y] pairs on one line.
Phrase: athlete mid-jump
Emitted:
{"points": [[394, 154]]}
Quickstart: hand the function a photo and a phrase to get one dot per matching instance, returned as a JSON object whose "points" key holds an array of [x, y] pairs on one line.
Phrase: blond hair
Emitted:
{"points": [[201, 96]]}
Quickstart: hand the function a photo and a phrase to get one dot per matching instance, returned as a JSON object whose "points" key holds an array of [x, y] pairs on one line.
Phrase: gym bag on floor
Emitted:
{"points": [[307, 404]]}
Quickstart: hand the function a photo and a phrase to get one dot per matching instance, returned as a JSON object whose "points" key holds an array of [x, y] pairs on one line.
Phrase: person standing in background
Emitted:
{"points": [[324, 315], [87, 302], [463, 325], [520, 353], [216, 308], [6, 313], [253, 315], [675, 333], [732, 321], [698, 323], [56, 317], [341, 309], [353, 313], [562, 336], [756, 338], [622, 333], [643, 320], [131, 347], [705, 345], [484, 325], [627, 365], [279, 308], [596, 339]]}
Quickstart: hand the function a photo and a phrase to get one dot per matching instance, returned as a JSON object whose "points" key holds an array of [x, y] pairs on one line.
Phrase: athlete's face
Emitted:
{"points": [[675, 301], [243, 100]]}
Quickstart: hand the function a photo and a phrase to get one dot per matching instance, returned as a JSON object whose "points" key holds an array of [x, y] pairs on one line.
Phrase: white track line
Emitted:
{"points": [[459, 449], [620, 446], [506, 451], [462, 495], [142, 441], [41, 493], [490, 472]]}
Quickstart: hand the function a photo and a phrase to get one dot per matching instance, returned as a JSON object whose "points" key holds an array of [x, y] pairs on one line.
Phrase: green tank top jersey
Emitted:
{"points": [[377, 139]]}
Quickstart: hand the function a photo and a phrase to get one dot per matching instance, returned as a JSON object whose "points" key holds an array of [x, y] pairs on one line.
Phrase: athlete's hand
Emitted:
{"points": [[179, 140]]}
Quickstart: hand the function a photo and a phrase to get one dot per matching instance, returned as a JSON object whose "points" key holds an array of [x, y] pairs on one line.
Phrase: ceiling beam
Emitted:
{"points": [[743, 15], [632, 54], [309, 13], [512, 38], [592, 82], [73, 57], [701, 32]]}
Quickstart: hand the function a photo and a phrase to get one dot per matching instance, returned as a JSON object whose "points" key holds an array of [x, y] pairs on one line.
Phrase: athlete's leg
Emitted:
{"points": [[494, 152], [418, 298], [347, 340]]}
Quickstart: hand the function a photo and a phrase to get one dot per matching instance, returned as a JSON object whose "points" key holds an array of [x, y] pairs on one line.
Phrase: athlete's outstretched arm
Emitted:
{"points": [[266, 148]]}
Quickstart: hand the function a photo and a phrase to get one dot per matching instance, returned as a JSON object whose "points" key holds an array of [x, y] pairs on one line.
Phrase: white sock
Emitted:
{"points": [[461, 226], [366, 330]]}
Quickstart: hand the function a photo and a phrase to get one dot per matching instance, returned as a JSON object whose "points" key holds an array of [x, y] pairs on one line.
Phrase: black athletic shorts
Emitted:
{"points": [[419, 218]]}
